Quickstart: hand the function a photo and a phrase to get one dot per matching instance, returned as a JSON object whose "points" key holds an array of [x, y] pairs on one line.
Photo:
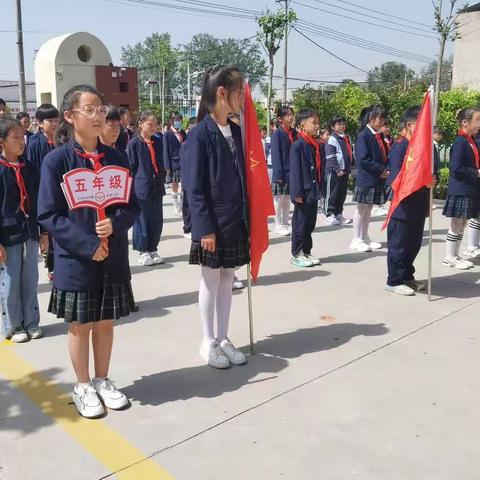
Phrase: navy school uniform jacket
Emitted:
{"points": [[464, 179], [15, 226], [369, 160], [215, 183], [303, 178], [73, 231], [38, 149], [337, 156], [280, 150], [415, 206], [124, 137], [171, 149], [147, 184]]}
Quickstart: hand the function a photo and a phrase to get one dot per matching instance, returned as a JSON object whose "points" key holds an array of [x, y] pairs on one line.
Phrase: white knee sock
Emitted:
{"points": [[224, 302], [175, 201], [455, 236], [285, 210], [209, 282], [452, 242], [473, 233], [277, 200]]}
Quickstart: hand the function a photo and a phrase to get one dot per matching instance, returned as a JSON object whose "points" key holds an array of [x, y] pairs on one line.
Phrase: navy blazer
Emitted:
{"points": [[38, 149], [147, 183], [214, 182], [73, 231], [416, 205], [369, 160], [280, 150], [464, 178], [303, 179], [124, 137], [15, 227], [171, 150]]}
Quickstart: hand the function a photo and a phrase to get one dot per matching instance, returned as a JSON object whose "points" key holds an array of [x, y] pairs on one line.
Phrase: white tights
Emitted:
{"points": [[215, 301], [361, 220], [282, 210]]}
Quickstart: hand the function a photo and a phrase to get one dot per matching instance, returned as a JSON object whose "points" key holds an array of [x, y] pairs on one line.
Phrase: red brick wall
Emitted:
{"points": [[110, 80]]}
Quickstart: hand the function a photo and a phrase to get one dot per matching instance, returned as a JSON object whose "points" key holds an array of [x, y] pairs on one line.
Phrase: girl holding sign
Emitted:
{"points": [[215, 186], [90, 288], [145, 154]]}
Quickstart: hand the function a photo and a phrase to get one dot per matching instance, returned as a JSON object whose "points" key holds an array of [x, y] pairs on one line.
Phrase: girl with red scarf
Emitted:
{"points": [[305, 188]]}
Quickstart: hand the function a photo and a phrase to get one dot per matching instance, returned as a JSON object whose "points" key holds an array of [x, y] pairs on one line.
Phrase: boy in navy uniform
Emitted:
{"points": [[43, 142], [405, 229]]}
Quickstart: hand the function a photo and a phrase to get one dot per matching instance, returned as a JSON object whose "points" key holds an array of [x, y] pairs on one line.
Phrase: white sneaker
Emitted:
{"points": [[157, 259], [314, 260], [372, 245], [457, 262], [19, 335], [344, 220], [472, 253], [282, 230], [331, 220], [379, 211], [188, 236], [214, 355], [87, 402], [35, 333], [146, 259], [235, 356], [110, 395], [237, 284], [404, 290], [360, 246]]}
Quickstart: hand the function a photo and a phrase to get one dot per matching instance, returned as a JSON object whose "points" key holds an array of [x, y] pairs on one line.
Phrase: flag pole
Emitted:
{"points": [[250, 309], [430, 218]]}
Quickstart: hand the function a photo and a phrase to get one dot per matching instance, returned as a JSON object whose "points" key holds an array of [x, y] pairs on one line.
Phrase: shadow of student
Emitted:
{"points": [[273, 352], [52, 400], [354, 257], [460, 285]]}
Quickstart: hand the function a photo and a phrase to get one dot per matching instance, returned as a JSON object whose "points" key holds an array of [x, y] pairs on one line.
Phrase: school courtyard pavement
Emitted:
{"points": [[347, 380]]}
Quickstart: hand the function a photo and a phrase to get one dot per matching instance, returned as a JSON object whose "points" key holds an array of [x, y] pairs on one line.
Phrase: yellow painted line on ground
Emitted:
{"points": [[95, 436]]}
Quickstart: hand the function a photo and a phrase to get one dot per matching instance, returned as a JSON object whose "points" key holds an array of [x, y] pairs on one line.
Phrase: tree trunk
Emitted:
{"points": [[438, 78], [269, 95]]}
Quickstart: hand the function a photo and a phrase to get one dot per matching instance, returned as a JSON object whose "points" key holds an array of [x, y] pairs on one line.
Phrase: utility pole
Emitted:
{"points": [[189, 87], [285, 65], [21, 63]]}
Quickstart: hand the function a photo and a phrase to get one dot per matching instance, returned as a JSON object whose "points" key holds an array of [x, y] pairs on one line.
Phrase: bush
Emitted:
{"points": [[440, 190]]}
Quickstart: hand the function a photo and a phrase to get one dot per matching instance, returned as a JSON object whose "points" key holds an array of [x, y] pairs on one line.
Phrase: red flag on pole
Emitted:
{"points": [[417, 167], [260, 200]]}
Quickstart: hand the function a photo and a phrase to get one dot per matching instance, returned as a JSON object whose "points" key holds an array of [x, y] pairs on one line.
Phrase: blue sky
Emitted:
{"points": [[118, 23]]}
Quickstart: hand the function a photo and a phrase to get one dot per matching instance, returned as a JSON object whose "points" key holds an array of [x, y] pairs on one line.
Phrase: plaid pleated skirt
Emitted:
{"points": [[174, 176], [229, 256], [458, 206], [110, 302], [280, 188], [370, 195]]}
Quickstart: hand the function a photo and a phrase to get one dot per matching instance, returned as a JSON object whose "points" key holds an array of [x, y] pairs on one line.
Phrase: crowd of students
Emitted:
{"points": [[309, 167]]}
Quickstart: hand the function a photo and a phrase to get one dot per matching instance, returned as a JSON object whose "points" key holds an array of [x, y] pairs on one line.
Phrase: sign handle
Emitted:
{"points": [[102, 216]]}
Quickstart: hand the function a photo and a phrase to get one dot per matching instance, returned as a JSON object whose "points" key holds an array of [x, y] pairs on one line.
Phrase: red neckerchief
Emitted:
{"points": [[472, 143], [94, 158], [348, 145], [49, 142], [153, 157], [382, 146], [318, 158], [289, 132], [17, 167]]}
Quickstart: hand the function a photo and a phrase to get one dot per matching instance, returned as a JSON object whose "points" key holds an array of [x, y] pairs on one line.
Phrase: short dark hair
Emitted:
{"points": [[337, 119], [192, 121], [7, 124], [387, 122], [438, 130], [46, 111], [411, 114], [304, 114], [123, 111], [2, 102], [284, 110], [21, 115], [113, 114]]}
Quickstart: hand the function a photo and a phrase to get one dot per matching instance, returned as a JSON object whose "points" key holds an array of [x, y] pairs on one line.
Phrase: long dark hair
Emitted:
{"points": [[64, 131], [369, 113], [228, 77]]}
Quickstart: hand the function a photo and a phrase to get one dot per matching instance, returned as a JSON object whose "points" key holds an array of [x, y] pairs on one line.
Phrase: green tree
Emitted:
{"points": [[314, 98], [272, 31], [390, 74], [429, 73]]}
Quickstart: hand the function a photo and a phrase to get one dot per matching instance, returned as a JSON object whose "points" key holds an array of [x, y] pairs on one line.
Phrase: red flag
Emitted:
{"points": [[260, 200], [417, 167]]}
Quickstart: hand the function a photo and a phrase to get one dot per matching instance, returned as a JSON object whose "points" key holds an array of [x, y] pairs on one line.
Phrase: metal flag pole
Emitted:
{"points": [[430, 218], [250, 308]]}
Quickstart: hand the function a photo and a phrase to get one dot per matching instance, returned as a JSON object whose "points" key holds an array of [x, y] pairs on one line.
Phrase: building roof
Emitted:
{"points": [[472, 8]]}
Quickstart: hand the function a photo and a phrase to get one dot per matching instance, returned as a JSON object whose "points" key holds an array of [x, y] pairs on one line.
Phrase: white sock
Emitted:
{"points": [[82, 385], [452, 241], [357, 225], [285, 210], [459, 243], [209, 282], [175, 200], [473, 233], [223, 302], [277, 200]]}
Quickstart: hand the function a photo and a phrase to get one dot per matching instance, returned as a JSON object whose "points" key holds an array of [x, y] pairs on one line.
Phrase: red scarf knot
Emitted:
{"points": [[24, 200]]}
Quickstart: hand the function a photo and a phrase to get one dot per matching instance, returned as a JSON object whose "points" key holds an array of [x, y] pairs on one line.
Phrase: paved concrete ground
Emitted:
{"points": [[348, 381]]}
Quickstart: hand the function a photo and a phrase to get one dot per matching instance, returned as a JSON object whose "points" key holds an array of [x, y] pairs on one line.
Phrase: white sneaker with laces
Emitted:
{"points": [[331, 220], [344, 220], [457, 262], [404, 290], [372, 245], [87, 402], [109, 394], [35, 333], [237, 284], [157, 259], [360, 246], [19, 335], [235, 356], [214, 355], [379, 211], [472, 253], [314, 260], [146, 259]]}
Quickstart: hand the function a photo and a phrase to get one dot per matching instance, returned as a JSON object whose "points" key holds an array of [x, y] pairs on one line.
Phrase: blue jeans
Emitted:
{"points": [[19, 283]]}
